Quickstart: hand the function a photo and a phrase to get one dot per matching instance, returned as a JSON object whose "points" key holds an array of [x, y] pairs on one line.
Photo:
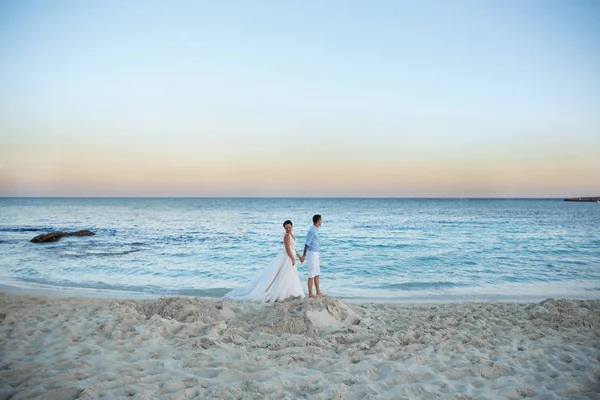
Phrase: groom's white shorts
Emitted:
{"points": [[313, 261]]}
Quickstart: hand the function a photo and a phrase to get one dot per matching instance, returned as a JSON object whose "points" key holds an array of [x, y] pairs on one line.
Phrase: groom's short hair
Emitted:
{"points": [[316, 218]]}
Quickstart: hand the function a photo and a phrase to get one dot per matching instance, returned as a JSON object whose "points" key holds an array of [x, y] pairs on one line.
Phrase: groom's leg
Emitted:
{"points": [[317, 273], [310, 285], [317, 285]]}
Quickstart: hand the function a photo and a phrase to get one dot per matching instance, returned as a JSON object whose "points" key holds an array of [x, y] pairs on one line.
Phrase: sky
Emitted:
{"points": [[300, 98]]}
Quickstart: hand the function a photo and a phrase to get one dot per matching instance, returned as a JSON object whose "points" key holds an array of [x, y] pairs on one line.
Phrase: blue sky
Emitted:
{"points": [[398, 98]]}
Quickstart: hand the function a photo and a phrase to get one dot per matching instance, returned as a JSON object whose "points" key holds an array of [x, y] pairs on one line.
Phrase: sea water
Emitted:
{"points": [[411, 250]]}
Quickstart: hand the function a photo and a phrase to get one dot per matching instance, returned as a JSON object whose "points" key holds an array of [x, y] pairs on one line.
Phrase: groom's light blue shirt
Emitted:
{"points": [[312, 239]]}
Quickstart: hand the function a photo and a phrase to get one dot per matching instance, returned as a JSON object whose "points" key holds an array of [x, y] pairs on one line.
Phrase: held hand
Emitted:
{"points": [[302, 259]]}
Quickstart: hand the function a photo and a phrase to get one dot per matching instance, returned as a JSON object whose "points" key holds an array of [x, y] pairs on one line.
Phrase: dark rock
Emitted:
{"points": [[54, 236], [585, 199], [48, 237]]}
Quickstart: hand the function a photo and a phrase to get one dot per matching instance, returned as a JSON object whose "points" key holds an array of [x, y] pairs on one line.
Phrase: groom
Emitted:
{"points": [[311, 253]]}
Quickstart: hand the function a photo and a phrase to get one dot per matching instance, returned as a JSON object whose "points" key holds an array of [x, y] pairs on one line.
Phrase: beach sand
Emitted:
{"points": [[181, 348]]}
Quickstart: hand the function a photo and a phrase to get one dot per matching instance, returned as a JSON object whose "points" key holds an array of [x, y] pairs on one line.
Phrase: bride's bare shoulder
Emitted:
{"points": [[287, 236]]}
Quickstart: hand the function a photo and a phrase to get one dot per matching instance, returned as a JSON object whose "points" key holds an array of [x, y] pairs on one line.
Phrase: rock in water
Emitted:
{"points": [[54, 236], [48, 237]]}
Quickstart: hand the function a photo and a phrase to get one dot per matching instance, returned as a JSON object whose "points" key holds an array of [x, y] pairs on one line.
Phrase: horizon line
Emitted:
{"points": [[291, 197]]}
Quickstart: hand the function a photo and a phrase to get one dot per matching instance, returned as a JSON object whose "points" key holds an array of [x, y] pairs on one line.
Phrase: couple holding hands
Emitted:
{"points": [[280, 280]]}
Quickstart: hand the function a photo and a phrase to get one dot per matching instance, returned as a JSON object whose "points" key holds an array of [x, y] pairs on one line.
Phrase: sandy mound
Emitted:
{"points": [[577, 314], [184, 309], [294, 316], [302, 316]]}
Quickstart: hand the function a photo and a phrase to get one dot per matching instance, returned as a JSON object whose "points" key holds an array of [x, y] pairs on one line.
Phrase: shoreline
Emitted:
{"points": [[34, 289], [181, 348], [27, 288]]}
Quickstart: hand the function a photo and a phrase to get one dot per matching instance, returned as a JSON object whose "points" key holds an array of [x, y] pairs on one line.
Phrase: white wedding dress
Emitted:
{"points": [[275, 283]]}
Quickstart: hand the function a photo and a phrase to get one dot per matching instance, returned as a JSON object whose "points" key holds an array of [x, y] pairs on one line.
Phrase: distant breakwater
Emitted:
{"points": [[584, 199]]}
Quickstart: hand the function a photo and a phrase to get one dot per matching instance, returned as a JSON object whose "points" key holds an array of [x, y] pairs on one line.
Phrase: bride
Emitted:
{"points": [[278, 281]]}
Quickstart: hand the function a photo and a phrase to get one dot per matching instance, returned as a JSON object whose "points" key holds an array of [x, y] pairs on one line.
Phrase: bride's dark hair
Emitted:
{"points": [[287, 222]]}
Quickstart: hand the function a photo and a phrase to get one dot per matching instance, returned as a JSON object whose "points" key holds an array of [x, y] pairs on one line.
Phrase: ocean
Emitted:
{"points": [[381, 250]]}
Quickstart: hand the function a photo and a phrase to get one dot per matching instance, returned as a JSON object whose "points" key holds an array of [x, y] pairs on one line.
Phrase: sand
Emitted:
{"points": [[54, 347]]}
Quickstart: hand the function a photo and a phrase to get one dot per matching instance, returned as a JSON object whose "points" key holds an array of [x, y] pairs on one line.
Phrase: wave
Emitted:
{"points": [[96, 253], [522, 292], [64, 283], [30, 229], [152, 290], [418, 286], [187, 239]]}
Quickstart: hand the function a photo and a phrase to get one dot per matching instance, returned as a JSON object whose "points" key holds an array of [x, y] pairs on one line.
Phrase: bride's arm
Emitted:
{"points": [[288, 249]]}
